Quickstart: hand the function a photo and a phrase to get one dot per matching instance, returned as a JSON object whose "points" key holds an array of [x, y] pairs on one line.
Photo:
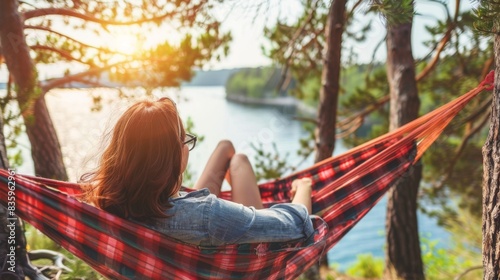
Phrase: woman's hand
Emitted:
{"points": [[301, 192], [300, 183]]}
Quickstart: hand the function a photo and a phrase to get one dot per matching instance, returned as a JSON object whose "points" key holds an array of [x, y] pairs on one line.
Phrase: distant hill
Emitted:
{"points": [[211, 78], [260, 82], [201, 78]]}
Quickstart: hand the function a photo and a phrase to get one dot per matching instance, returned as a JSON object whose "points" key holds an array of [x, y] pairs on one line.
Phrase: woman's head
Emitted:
{"points": [[142, 165]]}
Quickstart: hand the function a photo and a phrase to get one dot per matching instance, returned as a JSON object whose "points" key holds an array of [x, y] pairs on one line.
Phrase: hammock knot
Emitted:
{"points": [[489, 81]]}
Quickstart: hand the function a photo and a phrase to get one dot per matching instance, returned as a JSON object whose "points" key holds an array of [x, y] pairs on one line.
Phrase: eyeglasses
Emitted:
{"points": [[190, 141]]}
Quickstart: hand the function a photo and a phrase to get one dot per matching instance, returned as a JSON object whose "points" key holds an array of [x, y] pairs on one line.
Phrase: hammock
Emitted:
{"points": [[345, 188]]}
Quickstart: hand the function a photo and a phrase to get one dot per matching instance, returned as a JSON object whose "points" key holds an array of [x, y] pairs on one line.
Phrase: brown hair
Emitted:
{"points": [[141, 167]]}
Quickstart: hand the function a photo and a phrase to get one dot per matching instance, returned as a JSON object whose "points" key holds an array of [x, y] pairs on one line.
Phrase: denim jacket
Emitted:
{"points": [[201, 218]]}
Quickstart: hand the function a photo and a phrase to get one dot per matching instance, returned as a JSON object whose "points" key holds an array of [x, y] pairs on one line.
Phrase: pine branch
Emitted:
{"points": [[483, 107], [71, 13], [293, 41], [440, 46], [353, 126], [467, 271], [53, 83], [465, 140], [69, 38], [353, 119], [63, 54], [355, 7], [89, 82], [377, 46], [449, 171], [427, 70]]}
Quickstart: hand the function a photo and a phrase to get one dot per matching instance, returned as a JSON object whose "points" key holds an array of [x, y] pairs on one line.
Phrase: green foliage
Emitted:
{"points": [[262, 82], [367, 266], [164, 64], [464, 253], [440, 264], [458, 151], [167, 65], [300, 52], [455, 74], [362, 90], [307, 143], [462, 63], [394, 11], [488, 16], [298, 45], [437, 260], [13, 127], [160, 59], [308, 91], [270, 164], [373, 87]]}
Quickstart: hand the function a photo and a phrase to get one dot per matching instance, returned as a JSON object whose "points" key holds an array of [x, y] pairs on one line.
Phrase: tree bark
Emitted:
{"points": [[403, 255], [45, 147], [330, 81], [328, 96], [1, 53], [491, 182], [23, 266]]}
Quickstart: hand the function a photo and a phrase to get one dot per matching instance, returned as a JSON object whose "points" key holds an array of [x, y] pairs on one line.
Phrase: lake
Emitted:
{"points": [[80, 131]]}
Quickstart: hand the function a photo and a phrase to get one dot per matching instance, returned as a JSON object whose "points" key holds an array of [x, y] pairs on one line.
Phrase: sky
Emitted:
{"points": [[246, 25], [249, 36]]}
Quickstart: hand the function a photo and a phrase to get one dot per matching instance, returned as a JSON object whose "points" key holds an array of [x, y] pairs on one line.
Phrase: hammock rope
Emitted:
{"points": [[345, 188]]}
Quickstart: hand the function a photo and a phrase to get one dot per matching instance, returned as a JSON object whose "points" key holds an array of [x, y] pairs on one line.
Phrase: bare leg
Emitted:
{"points": [[244, 184], [216, 168]]}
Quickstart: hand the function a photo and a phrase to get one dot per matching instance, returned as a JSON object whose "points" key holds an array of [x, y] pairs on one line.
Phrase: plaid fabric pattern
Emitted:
{"points": [[345, 188], [121, 249]]}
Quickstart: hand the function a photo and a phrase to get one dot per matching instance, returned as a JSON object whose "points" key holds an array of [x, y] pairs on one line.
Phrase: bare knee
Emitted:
{"points": [[227, 147], [239, 160]]}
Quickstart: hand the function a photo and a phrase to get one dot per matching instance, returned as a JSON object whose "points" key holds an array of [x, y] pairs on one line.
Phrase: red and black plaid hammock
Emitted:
{"points": [[346, 187]]}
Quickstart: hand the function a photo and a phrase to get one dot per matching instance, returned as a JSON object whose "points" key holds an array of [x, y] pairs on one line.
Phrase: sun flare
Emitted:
{"points": [[123, 43]]}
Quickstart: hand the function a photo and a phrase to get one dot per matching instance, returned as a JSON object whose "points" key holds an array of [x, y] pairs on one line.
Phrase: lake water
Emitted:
{"points": [[80, 131]]}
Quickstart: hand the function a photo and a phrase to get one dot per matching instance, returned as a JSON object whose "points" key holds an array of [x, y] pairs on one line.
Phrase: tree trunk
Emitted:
{"points": [[22, 265], [328, 96], [45, 147], [403, 256], [491, 182]]}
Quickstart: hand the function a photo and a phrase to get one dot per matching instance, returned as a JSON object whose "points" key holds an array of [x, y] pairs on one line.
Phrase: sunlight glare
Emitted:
{"points": [[125, 43]]}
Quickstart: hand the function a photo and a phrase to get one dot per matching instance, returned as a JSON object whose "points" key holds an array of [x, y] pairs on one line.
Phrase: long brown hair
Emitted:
{"points": [[141, 166]]}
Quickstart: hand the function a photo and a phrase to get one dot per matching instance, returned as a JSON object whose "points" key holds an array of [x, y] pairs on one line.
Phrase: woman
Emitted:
{"points": [[140, 175]]}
